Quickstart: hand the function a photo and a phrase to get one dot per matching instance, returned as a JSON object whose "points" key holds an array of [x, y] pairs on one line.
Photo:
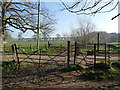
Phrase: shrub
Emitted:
{"points": [[102, 71], [102, 66], [116, 64], [94, 75], [73, 67]]}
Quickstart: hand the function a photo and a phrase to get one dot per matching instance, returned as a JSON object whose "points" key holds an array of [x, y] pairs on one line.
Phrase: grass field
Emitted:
{"points": [[34, 43], [55, 45], [42, 43], [117, 44], [25, 46]]}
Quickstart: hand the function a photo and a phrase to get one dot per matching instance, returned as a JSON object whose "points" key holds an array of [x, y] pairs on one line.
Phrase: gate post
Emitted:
{"points": [[98, 43], [17, 54], [68, 53], [109, 54], [40, 56], [105, 53], [13, 51], [4, 47], [31, 47], [94, 55], [75, 53]]}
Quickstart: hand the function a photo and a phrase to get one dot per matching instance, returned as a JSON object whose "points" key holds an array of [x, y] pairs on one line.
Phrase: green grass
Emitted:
{"points": [[25, 47], [102, 66], [33, 43], [99, 75], [117, 44], [102, 71], [12, 65], [116, 64], [73, 67], [94, 75], [8, 65], [55, 45]]}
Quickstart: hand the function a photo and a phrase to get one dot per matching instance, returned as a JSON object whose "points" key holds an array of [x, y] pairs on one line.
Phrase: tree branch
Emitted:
{"points": [[33, 6], [88, 9], [18, 15], [13, 9], [115, 16]]}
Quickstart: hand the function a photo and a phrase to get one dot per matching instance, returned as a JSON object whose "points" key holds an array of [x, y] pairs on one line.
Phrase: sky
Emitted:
{"points": [[66, 21]]}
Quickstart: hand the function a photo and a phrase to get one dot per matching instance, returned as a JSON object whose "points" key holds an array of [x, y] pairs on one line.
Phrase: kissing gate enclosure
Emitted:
{"points": [[56, 56]]}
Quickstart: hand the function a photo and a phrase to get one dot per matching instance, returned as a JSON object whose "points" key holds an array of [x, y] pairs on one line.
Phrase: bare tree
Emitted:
{"points": [[7, 36], [104, 37], [22, 16], [44, 35], [18, 15], [88, 7], [82, 34]]}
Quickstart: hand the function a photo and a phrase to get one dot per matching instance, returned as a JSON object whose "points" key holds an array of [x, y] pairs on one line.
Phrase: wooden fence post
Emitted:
{"points": [[40, 56], [94, 55], [49, 44], [109, 54], [98, 43], [30, 47], [68, 53], [105, 53], [75, 54], [4, 47], [45, 46], [13, 51], [16, 54]]}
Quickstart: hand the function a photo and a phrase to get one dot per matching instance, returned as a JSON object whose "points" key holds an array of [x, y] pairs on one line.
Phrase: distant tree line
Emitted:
{"points": [[115, 37], [103, 37]]}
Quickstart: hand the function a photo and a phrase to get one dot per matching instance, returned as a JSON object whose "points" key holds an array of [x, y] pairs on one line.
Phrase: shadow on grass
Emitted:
{"points": [[48, 75]]}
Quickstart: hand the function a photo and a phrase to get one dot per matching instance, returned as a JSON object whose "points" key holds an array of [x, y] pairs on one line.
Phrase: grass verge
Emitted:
{"points": [[103, 71], [13, 65]]}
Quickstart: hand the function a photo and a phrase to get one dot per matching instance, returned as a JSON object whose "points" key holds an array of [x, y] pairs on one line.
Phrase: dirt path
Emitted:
{"points": [[36, 57], [51, 75], [53, 78]]}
